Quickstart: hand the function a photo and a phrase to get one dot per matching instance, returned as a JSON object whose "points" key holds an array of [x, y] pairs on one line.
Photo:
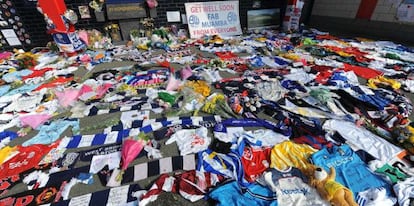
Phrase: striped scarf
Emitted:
{"points": [[145, 126]]}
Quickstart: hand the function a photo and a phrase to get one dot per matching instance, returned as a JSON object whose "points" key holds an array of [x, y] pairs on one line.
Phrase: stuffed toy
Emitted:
{"points": [[332, 191]]}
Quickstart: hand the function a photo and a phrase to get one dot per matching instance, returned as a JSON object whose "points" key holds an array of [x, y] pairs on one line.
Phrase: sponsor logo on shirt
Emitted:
{"points": [[13, 165], [303, 191], [339, 162], [197, 140]]}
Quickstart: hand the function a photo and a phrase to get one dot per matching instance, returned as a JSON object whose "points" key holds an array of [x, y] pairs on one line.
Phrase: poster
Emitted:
{"points": [[216, 17]]}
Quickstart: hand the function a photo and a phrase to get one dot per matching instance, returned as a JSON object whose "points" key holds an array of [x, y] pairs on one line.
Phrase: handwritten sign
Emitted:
{"points": [[216, 17], [81, 200], [118, 196]]}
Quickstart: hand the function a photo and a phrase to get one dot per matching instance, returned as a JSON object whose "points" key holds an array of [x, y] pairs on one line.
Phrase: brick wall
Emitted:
{"points": [[23, 30], [33, 21], [36, 25], [37, 28]]}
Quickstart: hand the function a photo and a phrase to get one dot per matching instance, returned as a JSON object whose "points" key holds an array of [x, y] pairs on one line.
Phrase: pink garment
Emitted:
{"points": [[173, 83], [34, 120], [102, 89], [84, 36], [304, 62], [67, 97], [85, 58], [186, 72], [85, 89], [5, 55]]}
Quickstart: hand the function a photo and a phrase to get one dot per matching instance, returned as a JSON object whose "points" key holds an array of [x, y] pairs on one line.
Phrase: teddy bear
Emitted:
{"points": [[330, 190]]}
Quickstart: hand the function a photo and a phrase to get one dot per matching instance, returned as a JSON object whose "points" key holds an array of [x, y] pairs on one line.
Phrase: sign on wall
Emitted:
{"points": [[209, 18]]}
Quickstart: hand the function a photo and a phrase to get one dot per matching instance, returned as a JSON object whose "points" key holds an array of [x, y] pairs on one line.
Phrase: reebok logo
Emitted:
{"points": [[303, 191]]}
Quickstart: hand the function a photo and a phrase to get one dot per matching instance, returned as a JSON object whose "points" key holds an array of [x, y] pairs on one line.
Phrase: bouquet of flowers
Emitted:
{"points": [[194, 94], [148, 24], [113, 31], [217, 104], [131, 147], [191, 103], [199, 86], [97, 40], [25, 60]]}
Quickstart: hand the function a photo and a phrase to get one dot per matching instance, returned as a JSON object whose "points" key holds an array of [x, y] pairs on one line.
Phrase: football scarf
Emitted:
{"points": [[149, 169], [27, 158], [122, 195], [138, 126]]}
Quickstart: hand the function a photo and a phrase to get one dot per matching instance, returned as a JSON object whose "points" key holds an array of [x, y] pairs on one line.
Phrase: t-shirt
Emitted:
{"points": [[316, 141], [292, 189], [351, 171], [363, 139], [231, 194], [404, 191], [289, 154], [255, 161], [228, 165], [191, 140], [264, 137], [374, 197]]}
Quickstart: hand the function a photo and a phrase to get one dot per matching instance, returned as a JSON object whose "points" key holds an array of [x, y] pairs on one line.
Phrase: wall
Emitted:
{"points": [[37, 27], [341, 17], [336, 8], [245, 5], [13, 18], [386, 11]]}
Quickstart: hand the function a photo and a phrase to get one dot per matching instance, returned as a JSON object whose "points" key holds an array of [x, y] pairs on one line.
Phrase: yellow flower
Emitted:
{"points": [[200, 87]]}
